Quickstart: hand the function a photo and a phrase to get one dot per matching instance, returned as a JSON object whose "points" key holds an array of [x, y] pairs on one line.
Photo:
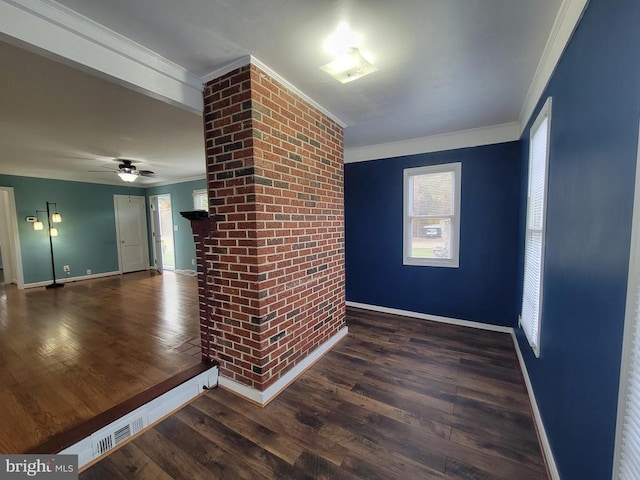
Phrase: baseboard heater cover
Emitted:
{"points": [[111, 436]]}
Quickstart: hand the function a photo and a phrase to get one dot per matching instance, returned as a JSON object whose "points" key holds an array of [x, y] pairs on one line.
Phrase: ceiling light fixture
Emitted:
{"points": [[348, 66], [128, 176]]}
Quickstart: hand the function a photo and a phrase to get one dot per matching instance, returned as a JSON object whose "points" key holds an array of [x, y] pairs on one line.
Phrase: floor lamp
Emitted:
{"points": [[52, 232]]}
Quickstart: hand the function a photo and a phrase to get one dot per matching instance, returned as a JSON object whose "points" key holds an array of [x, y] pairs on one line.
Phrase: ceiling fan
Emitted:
{"points": [[127, 171]]}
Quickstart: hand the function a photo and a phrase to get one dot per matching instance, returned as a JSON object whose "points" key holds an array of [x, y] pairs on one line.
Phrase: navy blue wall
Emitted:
{"points": [[484, 287], [594, 134]]}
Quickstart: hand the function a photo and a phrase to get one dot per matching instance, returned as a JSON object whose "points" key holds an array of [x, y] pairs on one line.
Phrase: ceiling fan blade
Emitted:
{"points": [[146, 173]]}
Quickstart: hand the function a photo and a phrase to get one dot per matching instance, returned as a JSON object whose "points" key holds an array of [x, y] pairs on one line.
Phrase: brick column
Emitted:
{"points": [[275, 263]]}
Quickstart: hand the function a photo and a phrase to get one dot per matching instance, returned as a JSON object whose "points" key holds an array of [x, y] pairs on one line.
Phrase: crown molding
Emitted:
{"points": [[476, 137], [48, 28], [173, 182], [250, 59], [568, 18], [227, 68]]}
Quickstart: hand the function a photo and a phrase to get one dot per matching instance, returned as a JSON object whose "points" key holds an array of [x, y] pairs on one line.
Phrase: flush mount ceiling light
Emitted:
{"points": [[349, 66]]}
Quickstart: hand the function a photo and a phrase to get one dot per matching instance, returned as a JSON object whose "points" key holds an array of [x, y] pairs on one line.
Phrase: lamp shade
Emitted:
{"points": [[53, 232], [38, 225], [56, 217]]}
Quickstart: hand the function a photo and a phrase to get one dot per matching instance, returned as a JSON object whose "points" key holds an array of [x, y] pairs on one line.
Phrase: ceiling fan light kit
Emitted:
{"points": [[128, 176], [127, 171]]}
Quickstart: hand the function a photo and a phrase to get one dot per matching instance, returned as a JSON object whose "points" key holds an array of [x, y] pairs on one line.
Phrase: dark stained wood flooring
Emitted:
{"points": [[397, 399], [69, 354]]}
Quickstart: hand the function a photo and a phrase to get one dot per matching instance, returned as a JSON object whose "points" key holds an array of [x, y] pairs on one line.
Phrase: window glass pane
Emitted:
{"points": [[433, 194], [200, 200], [431, 238]]}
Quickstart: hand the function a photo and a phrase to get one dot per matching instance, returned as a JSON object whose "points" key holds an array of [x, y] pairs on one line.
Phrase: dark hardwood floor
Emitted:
{"points": [[69, 354], [397, 399]]}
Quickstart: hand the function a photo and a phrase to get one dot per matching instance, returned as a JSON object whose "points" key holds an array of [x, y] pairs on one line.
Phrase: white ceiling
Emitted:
{"points": [[444, 66]]}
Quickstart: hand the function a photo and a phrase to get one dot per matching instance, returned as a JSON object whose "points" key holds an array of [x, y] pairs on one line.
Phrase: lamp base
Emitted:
{"points": [[55, 285]]}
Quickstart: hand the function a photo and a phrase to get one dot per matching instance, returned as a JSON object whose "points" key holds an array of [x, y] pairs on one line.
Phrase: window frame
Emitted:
{"points": [[629, 365], [543, 115], [454, 261], [199, 193]]}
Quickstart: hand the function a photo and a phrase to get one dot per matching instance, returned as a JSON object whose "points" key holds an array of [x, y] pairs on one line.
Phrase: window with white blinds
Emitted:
{"points": [[627, 451], [200, 200], [530, 317]]}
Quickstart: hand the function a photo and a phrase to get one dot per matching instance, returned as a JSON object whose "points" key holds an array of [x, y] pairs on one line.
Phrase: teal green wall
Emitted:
{"points": [[181, 200], [87, 238]]}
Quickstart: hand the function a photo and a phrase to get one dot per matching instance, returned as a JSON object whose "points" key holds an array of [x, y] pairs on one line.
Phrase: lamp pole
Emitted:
{"points": [[53, 265]]}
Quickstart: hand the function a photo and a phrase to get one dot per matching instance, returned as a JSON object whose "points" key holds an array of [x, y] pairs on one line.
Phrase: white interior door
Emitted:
{"points": [[131, 232], [156, 233]]}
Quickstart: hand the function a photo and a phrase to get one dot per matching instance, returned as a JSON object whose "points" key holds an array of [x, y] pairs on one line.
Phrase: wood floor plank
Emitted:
{"points": [[133, 464], [72, 353], [399, 398]]}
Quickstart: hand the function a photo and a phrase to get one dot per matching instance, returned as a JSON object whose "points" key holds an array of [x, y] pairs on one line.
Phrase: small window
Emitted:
{"points": [[432, 215], [200, 200], [531, 313]]}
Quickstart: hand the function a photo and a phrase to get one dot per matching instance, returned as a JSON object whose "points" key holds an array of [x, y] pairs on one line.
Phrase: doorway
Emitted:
{"points": [[162, 232], [131, 233]]}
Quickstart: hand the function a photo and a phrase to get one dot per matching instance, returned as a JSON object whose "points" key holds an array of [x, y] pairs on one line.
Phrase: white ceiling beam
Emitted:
{"points": [[49, 28]]}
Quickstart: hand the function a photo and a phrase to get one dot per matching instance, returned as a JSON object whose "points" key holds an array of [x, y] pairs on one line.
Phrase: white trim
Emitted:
{"points": [[542, 433], [228, 68], [189, 273], [629, 319], [433, 318], [153, 411], [264, 397], [14, 234], [173, 182], [568, 18], [250, 59], [475, 137], [407, 193], [59, 32], [72, 279]]}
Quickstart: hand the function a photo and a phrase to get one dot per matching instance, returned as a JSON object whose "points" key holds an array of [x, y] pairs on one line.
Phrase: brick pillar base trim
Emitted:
{"points": [[262, 398]]}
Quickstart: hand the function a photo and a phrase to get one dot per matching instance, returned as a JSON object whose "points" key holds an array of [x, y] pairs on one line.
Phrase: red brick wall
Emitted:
{"points": [[275, 265]]}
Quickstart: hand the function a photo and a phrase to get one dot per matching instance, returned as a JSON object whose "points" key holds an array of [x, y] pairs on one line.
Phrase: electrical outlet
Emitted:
{"points": [[175, 228], [193, 261], [66, 269], [88, 271]]}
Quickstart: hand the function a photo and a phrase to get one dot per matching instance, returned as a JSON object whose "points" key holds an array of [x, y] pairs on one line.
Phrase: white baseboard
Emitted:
{"points": [[150, 413], [433, 318], [190, 273], [264, 397], [71, 279], [544, 440]]}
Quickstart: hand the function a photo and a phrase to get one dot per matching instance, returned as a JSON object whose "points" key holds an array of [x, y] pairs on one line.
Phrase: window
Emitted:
{"points": [[530, 314], [200, 200], [627, 448], [432, 215]]}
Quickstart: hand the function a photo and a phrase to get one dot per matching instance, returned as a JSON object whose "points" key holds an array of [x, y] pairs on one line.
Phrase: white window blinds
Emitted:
{"points": [[535, 232], [627, 450], [629, 456], [200, 200]]}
